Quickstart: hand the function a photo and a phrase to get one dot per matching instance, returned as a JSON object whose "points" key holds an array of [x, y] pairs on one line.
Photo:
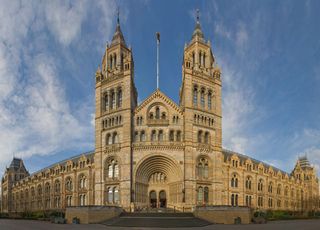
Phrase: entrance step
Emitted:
{"points": [[159, 220]]}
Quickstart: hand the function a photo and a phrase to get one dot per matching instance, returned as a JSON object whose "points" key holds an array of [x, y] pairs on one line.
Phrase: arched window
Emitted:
{"points": [[204, 59], [199, 136], [57, 186], [160, 135], [279, 189], [195, 96], [115, 60], [110, 195], [153, 135], [113, 100], [206, 195], [115, 195], [200, 194], [121, 61], [110, 61], [209, 100], [136, 136], [200, 58], [108, 139], [193, 59], [157, 113], [206, 137], [142, 136], [178, 136], [151, 115], [203, 168], [248, 183], [270, 187], [82, 182], [119, 98], [106, 101], [202, 98], [232, 200], [111, 169], [234, 181], [69, 185], [171, 135], [260, 185], [163, 116], [115, 138]]}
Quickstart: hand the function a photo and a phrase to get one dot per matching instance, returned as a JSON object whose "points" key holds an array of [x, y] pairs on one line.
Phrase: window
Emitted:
{"points": [[195, 96], [115, 138], [260, 185], [203, 168], [157, 113], [110, 62], [270, 187], [160, 135], [178, 137], [82, 181], [202, 98], [153, 135], [248, 200], [163, 116], [113, 100], [206, 137], [200, 136], [82, 198], [142, 136], [110, 195], [279, 189], [260, 201], [206, 195], [57, 186], [248, 183], [171, 135], [69, 186], [119, 98], [234, 181], [200, 194], [112, 168], [234, 200], [136, 136], [209, 101], [151, 116], [106, 101]]}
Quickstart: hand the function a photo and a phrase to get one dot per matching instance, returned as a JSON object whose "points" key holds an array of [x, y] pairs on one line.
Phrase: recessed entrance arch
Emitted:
{"points": [[158, 182]]}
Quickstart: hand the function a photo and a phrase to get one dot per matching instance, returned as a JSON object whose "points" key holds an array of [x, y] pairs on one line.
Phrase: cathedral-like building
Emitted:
{"points": [[158, 153]]}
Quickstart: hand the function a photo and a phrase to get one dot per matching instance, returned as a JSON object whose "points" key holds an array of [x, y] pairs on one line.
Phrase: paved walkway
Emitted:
{"points": [[6, 224]]}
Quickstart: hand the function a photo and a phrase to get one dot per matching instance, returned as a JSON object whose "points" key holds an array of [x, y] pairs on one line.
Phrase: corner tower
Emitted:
{"points": [[116, 98], [200, 99]]}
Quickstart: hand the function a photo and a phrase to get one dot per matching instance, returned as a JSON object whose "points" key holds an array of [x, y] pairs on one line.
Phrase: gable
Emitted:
{"points": [[158, 98]]}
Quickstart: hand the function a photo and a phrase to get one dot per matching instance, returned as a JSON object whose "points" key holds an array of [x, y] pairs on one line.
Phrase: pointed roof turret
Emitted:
{"points": [[197, 33], [118, 36]]}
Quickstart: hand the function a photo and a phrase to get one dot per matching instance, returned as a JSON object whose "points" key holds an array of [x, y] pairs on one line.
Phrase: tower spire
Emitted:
{"points": [[118, 16], [198, 15], [158, 44]]}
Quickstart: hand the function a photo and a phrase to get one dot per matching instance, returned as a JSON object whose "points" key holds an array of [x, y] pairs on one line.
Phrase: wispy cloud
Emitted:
{"points": [[35, 112]]}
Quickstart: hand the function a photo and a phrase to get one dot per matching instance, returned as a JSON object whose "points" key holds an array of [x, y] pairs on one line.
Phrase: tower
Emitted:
{"points": [[14, 173], [116, 97], [200, 99]]}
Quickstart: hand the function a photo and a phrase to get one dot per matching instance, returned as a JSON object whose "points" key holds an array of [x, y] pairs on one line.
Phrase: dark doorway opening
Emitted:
{"points": [[153, 199], [162, 199]]}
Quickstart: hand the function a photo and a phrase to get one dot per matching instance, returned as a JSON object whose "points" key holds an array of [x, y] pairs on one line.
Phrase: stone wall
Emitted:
{"points": [[92, 214], [224, 215]]}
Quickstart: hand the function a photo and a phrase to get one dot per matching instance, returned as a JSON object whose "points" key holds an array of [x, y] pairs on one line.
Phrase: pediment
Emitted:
{"points": [[158, 97]]}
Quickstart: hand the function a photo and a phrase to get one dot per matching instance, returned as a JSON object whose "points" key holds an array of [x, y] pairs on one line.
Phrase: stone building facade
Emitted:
{"points": [[158, 153]]}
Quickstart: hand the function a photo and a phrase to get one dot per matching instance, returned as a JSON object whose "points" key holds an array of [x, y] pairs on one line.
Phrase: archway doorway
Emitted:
{"points": [[157, 182], [153, 199], [162, 199]]}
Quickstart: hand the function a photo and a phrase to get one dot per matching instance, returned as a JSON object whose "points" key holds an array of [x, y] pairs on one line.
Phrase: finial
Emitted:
{"points": [[118, 16], [198, 15]]}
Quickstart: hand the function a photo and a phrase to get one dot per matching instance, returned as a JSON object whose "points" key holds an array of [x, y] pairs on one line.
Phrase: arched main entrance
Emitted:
{"points": [[158, 182]]}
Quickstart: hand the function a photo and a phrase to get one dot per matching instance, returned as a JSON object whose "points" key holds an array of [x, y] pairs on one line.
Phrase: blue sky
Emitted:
{"points": [[269, 53]]}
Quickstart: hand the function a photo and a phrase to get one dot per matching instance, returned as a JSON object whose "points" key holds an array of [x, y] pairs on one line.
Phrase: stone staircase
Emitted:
{"points": [[157, 219]]}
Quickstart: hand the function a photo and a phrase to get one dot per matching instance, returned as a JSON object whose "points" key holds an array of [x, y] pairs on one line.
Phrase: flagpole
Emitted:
{"points": [[158, 44]]}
